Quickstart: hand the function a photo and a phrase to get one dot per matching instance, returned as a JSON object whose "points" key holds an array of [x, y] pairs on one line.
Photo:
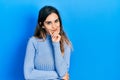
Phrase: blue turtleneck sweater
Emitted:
{"points": [[44, 61]]}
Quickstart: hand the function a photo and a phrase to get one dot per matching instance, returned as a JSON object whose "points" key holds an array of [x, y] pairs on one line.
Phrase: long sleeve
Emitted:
{"points": [[29, 71], [62, 62]]}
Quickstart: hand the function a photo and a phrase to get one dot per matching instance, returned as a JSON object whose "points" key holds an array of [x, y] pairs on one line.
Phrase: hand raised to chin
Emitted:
{"points": [[55, 36]]}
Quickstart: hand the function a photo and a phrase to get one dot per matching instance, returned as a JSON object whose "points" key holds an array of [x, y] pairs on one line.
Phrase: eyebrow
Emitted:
{"points": [[50, 21]]}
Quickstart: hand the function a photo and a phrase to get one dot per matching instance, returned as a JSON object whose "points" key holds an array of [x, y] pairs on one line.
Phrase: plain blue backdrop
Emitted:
{"points": [[93, 27]]}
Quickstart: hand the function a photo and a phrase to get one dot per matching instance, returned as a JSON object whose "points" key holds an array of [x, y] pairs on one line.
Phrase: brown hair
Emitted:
{"points": [[41, 32]]}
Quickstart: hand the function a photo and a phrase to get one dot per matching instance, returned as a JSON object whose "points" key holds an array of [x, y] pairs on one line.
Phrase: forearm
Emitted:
{"points": [[29, 70], [62, 64], [40, 74]]}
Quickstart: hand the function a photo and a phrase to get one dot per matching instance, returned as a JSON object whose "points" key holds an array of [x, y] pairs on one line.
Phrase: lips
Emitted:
{"points": [[54, 30]]}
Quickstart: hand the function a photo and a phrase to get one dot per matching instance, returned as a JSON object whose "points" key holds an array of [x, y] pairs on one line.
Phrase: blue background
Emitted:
{"points": [[93, 26]]}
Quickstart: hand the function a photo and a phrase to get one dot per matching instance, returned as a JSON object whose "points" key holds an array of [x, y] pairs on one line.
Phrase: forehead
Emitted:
{"points": [[52, 17]]}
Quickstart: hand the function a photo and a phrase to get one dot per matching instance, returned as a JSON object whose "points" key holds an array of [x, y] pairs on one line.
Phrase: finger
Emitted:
{"points": [[56, 39], [54, 34], [50, 32]]}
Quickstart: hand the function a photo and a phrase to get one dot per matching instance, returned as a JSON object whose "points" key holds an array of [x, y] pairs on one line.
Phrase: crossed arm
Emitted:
{"points": [[61, 71]]}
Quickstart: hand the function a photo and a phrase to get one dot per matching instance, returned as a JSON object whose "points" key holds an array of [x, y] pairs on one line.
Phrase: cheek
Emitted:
{"points": [[48, 27], [58, 24], [58, 29]]}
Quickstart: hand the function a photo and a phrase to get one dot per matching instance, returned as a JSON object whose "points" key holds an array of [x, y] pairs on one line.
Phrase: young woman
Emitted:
{"points": [[48, 51]]}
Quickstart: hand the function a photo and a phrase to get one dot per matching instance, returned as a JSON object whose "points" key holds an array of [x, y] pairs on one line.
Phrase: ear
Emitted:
{"points": [[43, 27], [40, 23]]}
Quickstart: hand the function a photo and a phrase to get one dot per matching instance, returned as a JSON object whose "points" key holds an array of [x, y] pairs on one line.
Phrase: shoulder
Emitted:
{"points": [[68, 46], [34, 39]]}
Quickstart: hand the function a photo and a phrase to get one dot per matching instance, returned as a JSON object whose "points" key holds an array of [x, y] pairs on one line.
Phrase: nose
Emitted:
{"points": [[53, 26]]}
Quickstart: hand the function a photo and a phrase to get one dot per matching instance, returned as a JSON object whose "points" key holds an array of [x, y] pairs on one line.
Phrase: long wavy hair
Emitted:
{"points": [[40, 32]]}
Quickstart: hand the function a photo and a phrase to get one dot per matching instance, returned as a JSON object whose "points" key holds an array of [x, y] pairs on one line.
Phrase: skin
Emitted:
{"points": [[66, 77], [52, 26]]}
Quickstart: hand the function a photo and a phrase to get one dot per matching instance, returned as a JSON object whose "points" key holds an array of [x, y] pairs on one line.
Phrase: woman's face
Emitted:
{"points": [[52, 23]]}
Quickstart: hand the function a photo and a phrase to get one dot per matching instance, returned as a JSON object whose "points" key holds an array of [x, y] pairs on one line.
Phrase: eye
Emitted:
{"points": [[48, 22], [57, 20]]}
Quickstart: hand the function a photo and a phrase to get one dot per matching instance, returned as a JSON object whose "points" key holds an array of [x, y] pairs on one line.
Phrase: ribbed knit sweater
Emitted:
{"points": [[44, 61]]}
